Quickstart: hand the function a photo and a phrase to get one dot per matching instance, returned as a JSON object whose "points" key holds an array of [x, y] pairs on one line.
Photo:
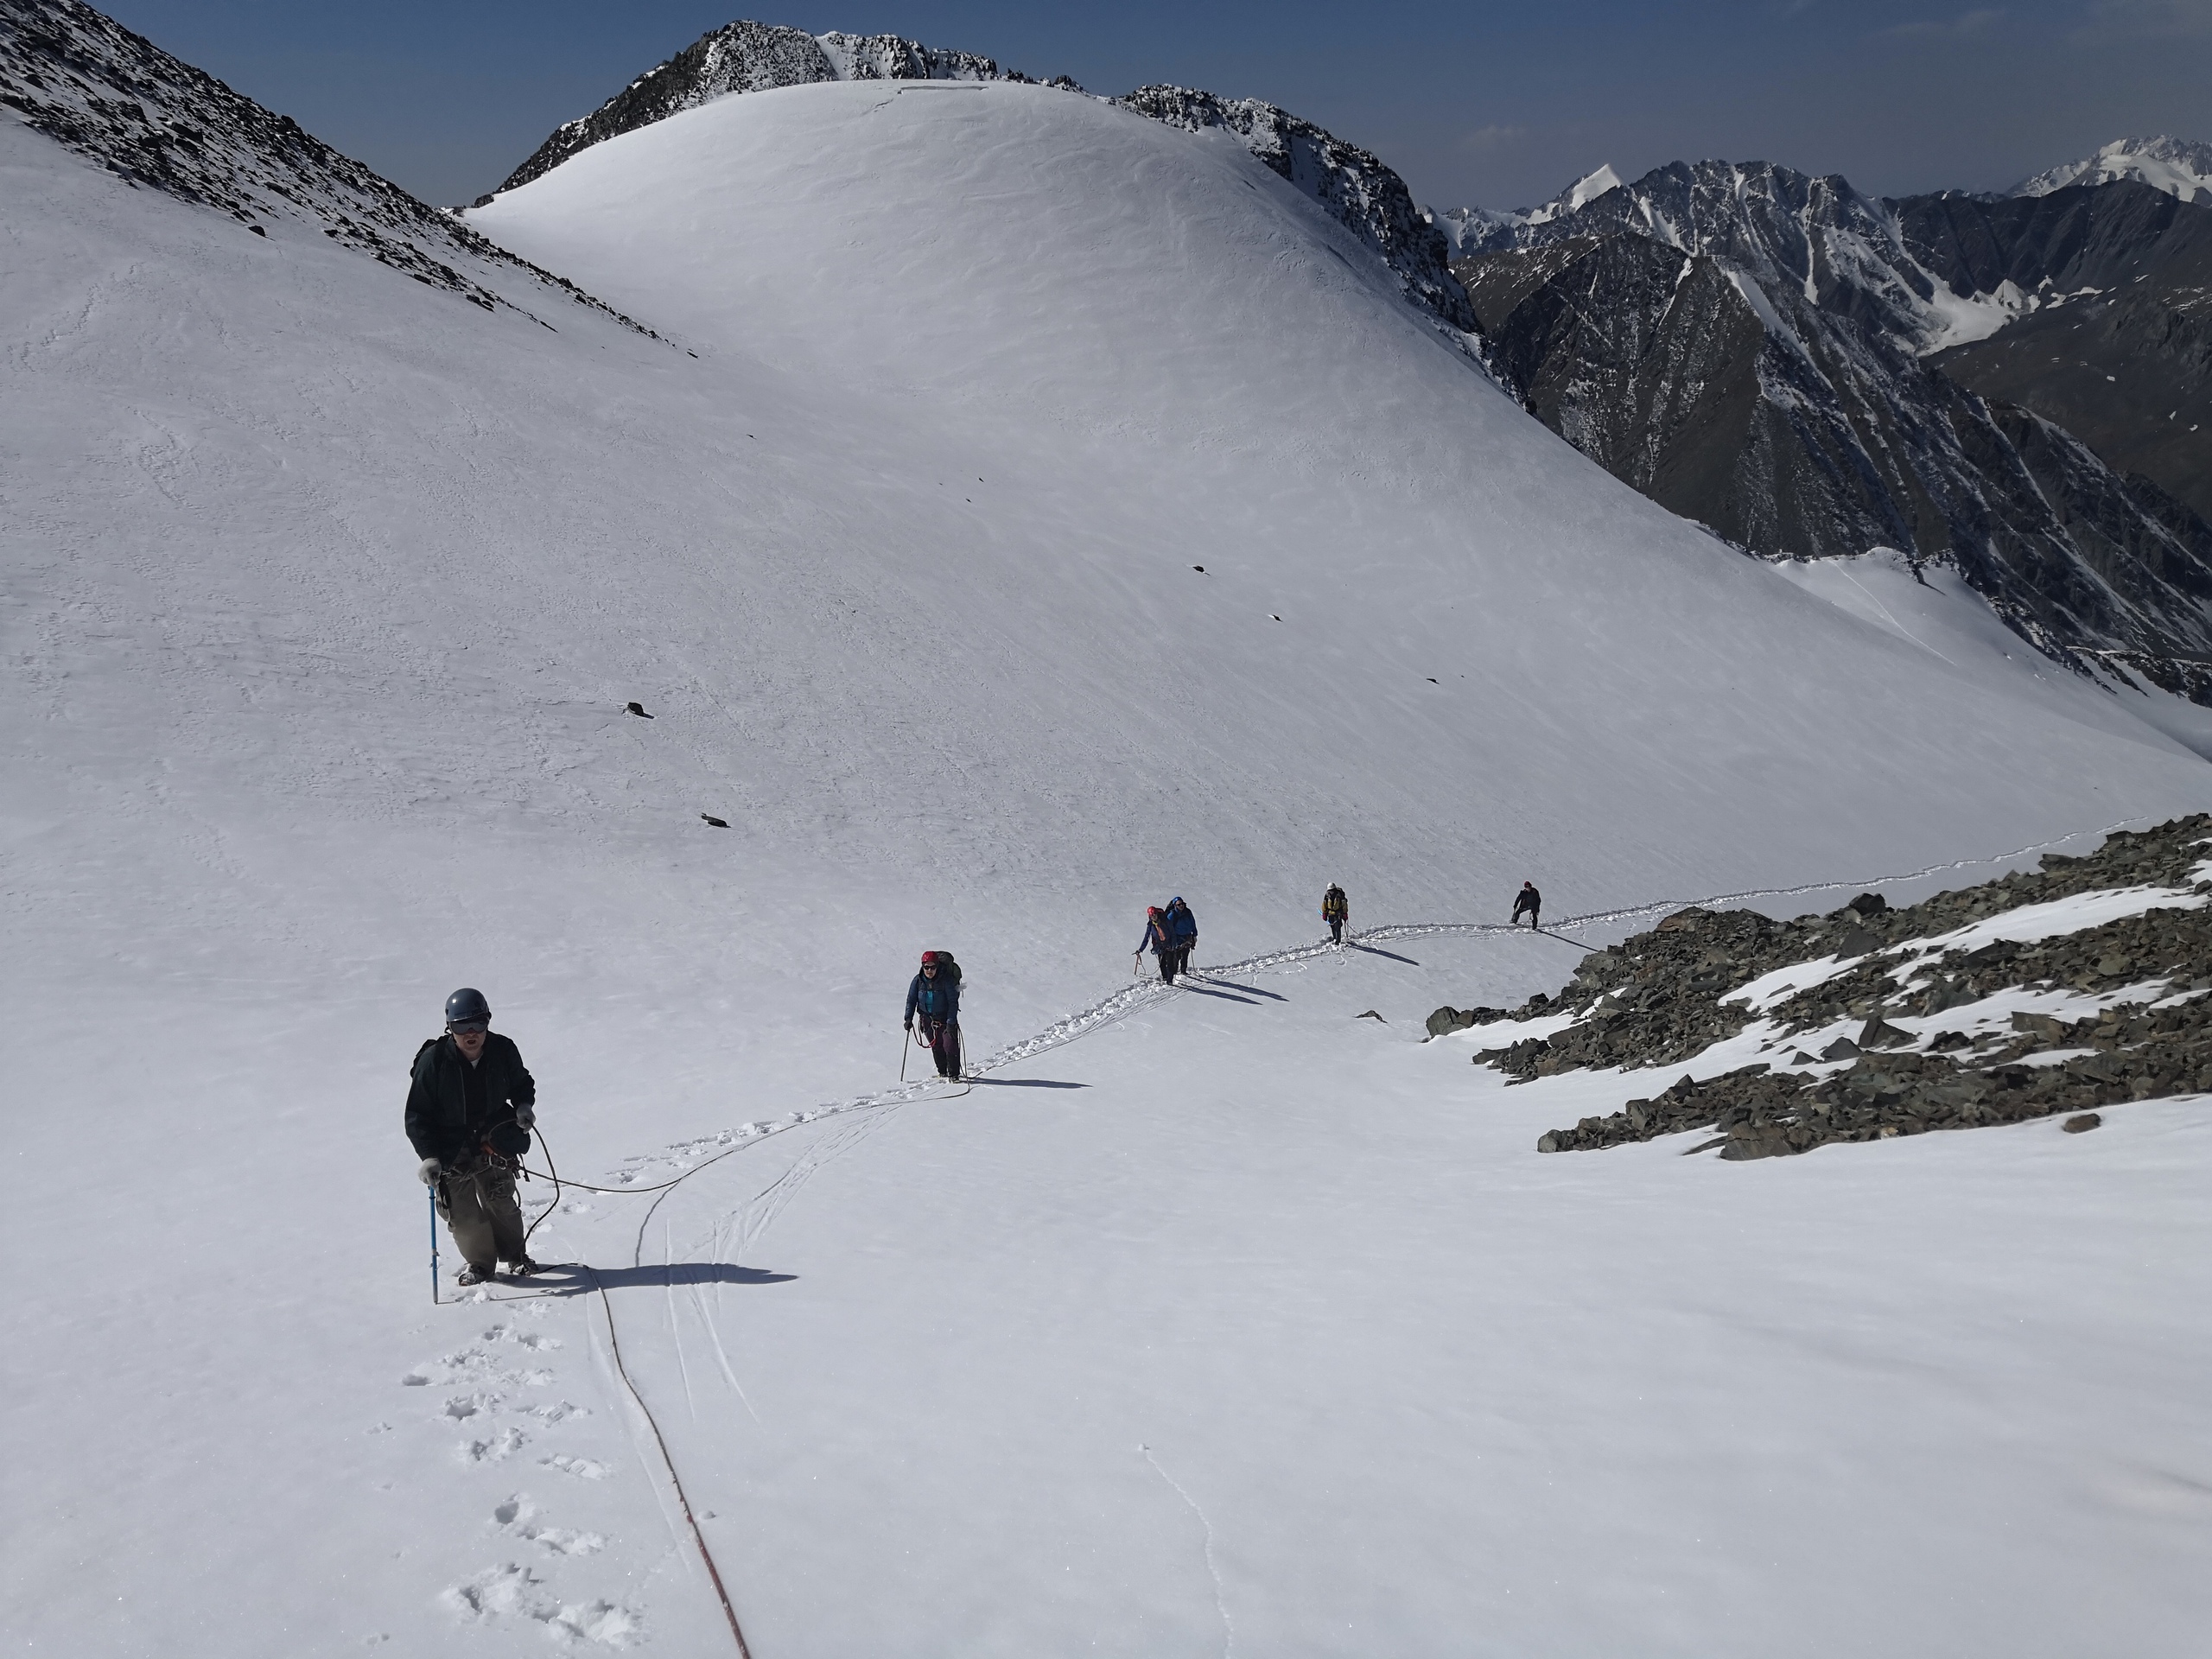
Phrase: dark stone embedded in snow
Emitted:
{"points": [[637, 709], [1870, 904], [1654, 1000], [1445, 1021], [2085, 1121], [1879, 1033], [1370, 1014], [719, 824]]}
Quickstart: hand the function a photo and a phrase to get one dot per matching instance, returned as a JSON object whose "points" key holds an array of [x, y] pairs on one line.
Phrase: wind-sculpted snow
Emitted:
{"points": [[1353, 186], [751, 57], [116, 99]]}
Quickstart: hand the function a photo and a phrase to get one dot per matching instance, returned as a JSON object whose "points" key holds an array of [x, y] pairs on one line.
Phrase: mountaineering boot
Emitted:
{"points": [[473, 1276], [523, 1268]]}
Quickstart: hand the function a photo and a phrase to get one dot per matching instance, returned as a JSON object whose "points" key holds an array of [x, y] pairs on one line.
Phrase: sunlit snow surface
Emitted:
{"points": [[1224, 1320]]}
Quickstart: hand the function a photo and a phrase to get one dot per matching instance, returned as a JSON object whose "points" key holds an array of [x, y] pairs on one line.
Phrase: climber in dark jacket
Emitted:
{"points": [[471, 1104], [934, 999], [1527, 901], [1183, 928]]}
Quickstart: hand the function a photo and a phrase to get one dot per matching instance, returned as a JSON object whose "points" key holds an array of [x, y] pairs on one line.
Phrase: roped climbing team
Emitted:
{"points": [[471, 1102]]}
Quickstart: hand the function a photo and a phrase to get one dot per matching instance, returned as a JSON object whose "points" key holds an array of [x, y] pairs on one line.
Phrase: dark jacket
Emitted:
{"points": [[1182, 925], [1333, 905], [450, 1111], [1529, 900], [1158, 936], [934, 999]]}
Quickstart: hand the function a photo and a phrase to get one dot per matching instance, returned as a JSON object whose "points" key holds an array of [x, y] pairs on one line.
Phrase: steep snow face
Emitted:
{"points": [[749, 57], [2176, 166]]}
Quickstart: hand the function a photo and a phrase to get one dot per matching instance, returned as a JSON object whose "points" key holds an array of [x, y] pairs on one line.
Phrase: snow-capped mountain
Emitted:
{"points": [[1354, 187], [1471, 229], [1749, 346], [753, 57], [81, 77], [1052, 510], [2178, 167]]}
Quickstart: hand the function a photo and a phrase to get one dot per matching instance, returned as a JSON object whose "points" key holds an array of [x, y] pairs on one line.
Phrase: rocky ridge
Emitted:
{"points": [[157, 122], [753, 57], [1748, 347], [1666, 996]]}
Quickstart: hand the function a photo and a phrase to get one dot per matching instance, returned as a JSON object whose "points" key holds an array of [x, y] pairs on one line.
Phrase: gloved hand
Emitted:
{"points": [[525, 1117], [910, 1025], [430, 1171]]}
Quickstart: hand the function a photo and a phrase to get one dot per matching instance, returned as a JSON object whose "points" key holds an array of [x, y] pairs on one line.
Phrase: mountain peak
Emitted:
{"points": [[2177, 166], [754, 57]]}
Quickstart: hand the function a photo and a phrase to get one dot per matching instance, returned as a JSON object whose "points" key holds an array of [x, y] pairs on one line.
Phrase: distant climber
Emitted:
{"points": [[1160, 939], [470, 1107], [1528, 901], [1183, 928], [1335, 911], [934, 1000]]}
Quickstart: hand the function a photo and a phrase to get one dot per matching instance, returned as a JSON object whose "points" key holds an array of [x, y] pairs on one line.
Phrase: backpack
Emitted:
{"points": [[947, 967]]}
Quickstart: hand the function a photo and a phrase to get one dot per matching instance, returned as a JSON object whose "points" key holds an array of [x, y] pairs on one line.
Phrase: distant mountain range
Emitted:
{"points": [[1813, 373]]}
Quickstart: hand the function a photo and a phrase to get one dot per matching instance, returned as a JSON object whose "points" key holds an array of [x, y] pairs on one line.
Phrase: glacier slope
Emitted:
{"points": [[324, 593]]}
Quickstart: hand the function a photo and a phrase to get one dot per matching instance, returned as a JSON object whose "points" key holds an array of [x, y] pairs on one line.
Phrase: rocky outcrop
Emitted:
{"points": [[751, 57], [1353, 186], [1655, 1000], [158, 123], [1747, 346]]}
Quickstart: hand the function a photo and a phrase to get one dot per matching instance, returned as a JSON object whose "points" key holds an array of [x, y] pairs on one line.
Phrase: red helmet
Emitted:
{"points": [[929, 958], [1152, 910]]}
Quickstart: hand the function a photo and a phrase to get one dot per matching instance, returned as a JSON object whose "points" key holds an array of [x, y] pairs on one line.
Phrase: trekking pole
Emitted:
{"points": [[902, 1055], [433, 1245]]}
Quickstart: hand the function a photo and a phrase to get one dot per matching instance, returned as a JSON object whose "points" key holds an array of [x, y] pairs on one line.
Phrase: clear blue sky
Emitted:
{"points": [[1500, 104]]}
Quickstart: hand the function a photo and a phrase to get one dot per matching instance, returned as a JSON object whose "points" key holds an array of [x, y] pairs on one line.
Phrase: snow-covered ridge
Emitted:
{"points": [[111, 96], [1352, 185], [2177, 166], [754, 57]]}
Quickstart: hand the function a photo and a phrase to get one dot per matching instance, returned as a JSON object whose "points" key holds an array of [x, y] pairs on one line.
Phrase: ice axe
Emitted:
{"points": [[433, 1195]]}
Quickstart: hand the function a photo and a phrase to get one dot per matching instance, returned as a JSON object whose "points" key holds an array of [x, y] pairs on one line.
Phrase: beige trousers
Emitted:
{"points": [[483, 1216]]}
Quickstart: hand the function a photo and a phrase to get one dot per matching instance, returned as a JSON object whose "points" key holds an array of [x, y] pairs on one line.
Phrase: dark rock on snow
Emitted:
{"points": [[1654, 1000]]}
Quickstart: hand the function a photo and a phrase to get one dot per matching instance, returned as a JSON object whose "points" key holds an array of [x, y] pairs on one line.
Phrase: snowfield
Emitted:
{"points": [[1215, 1320]]}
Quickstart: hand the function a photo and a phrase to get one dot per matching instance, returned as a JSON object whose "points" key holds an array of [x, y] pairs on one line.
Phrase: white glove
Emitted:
{"points": [[525, 1118], [431, 1170]]}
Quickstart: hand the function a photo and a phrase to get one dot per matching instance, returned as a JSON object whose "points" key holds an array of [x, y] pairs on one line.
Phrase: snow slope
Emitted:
{"points": [[324, 593]]}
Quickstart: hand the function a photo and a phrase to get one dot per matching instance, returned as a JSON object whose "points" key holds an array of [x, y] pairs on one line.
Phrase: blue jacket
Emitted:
{"points": [[1180, 919], [1157, 937], [936, 999]]}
